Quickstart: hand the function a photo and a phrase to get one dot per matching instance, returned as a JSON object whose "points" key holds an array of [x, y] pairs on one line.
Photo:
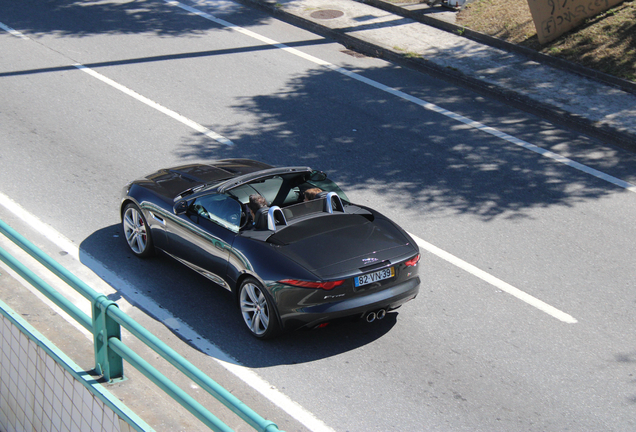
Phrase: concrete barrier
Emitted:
{"points": [[42, 389]]}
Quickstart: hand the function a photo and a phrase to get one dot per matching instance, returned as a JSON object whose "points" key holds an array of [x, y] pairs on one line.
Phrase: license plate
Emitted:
{"points": [[375, 276]]}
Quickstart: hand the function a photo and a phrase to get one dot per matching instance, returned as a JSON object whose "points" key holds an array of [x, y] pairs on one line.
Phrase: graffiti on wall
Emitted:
{"points": [[552, 18]]}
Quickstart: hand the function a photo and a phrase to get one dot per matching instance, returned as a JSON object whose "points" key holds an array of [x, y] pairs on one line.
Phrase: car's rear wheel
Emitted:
{"points": [[137, 232], [258, 311]]}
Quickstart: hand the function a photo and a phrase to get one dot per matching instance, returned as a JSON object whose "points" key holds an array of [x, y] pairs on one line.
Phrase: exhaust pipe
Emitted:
{"points": [[371, 317], [380, 314]]}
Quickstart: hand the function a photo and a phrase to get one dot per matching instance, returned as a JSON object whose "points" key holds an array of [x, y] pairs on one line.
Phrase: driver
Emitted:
{"points": [[255, 203]]}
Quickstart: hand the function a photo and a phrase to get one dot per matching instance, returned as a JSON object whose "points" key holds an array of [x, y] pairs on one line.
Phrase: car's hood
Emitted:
{"points": [[171, 182], [340, 245]]}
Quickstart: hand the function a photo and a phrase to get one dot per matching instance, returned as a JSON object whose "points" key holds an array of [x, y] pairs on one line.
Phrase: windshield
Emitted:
{"points": [[287, 189], [220, 209], [328, 186], [267, 188]]}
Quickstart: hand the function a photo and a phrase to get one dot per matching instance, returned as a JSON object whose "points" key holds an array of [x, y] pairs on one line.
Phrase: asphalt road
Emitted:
{"points": [[466, 354]]}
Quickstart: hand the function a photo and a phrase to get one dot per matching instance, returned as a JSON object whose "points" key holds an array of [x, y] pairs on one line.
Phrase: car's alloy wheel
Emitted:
{"points": [[257, 310], [136, 231]]}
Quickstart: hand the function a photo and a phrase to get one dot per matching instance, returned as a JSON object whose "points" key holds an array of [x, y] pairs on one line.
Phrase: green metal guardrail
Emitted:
{"points": [[110, 351]]}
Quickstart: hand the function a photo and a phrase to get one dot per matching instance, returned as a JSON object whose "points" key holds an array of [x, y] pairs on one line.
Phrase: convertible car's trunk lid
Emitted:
{"points": [[340, 245]]}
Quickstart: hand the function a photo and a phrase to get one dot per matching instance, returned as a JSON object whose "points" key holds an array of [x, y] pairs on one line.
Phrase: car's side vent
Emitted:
{"points": [[157, 218]]}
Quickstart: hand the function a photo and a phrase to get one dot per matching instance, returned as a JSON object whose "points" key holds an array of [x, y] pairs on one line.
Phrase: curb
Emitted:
{"points": [[618, 137]]}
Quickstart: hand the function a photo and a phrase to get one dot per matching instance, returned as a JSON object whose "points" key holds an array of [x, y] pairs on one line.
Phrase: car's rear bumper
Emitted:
{"points": [[387, 299]]}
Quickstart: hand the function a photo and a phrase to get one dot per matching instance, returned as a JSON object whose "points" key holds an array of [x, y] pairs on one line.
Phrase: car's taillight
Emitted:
{"points": [[413, 261], [311, 284]]}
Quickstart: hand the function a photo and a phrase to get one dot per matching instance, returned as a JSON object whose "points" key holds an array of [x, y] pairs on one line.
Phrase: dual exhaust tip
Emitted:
{"points": [[378, 315]]}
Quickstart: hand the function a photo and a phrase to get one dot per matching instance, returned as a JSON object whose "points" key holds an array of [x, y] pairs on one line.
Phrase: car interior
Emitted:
{"points": [[285, 196]]}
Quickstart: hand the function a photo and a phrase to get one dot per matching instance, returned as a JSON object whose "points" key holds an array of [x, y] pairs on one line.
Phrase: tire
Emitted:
{"points": [[257, 310], [137, 232]]}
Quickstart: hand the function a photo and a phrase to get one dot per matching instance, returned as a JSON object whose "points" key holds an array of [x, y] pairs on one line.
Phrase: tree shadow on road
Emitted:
{"points": [[75, 18], [409, 156]]}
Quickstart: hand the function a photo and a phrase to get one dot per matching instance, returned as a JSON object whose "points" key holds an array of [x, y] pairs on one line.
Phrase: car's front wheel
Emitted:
{"points": [[257, 310], [137, 231]]}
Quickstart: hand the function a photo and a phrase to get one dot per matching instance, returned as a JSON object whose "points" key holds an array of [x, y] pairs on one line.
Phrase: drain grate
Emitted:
{"points": [[326, 14], [353, 53]]}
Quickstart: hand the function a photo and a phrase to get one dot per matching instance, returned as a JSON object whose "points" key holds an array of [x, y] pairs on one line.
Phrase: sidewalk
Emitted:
{"points": [[599, 105]]}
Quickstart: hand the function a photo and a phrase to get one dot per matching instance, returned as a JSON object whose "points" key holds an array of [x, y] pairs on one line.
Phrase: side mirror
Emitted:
{"points": [[318, 176], [180, 207]]}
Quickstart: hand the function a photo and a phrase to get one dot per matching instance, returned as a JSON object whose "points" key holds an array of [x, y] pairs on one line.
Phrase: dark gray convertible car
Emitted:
{"points": [[296, 264]]}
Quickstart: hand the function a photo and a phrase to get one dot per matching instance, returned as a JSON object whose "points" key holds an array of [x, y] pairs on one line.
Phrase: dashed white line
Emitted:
{"points": [[503, 286], [170, 113], [13, 32], [186, 121]]}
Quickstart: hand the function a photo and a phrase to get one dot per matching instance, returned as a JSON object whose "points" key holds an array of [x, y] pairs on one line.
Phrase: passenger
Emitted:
{"points": [[256, 203], [311, 193]]}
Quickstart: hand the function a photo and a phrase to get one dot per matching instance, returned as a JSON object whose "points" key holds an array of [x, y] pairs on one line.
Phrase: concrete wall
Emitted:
{"points": [[41, 389]]}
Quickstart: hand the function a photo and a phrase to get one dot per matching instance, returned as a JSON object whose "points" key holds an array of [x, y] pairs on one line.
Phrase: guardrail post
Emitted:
{"points": [[108, 363]]}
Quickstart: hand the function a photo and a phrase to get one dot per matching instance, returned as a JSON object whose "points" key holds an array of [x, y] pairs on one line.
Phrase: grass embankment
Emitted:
{"points": [[606, 42]]}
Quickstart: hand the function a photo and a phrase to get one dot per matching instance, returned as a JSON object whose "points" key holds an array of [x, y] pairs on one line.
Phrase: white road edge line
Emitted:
{"points": [[498, 283], [248, 376], [170, 113], [424, 104]]}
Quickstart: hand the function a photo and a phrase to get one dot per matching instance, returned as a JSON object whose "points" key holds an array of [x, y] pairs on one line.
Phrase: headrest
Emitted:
{"points": [[260, 218]]}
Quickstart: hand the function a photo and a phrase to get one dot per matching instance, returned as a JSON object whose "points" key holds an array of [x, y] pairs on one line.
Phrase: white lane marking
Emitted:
{"points": [[43, 273], [46, 230], [486, 277], [250, 33], [13, 32], [424, 104], [186, 121], [245, 374], [170, 113]]}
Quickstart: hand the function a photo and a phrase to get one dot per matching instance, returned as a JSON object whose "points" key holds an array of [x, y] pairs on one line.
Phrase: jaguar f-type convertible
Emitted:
{"points": [[295, 263]]}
